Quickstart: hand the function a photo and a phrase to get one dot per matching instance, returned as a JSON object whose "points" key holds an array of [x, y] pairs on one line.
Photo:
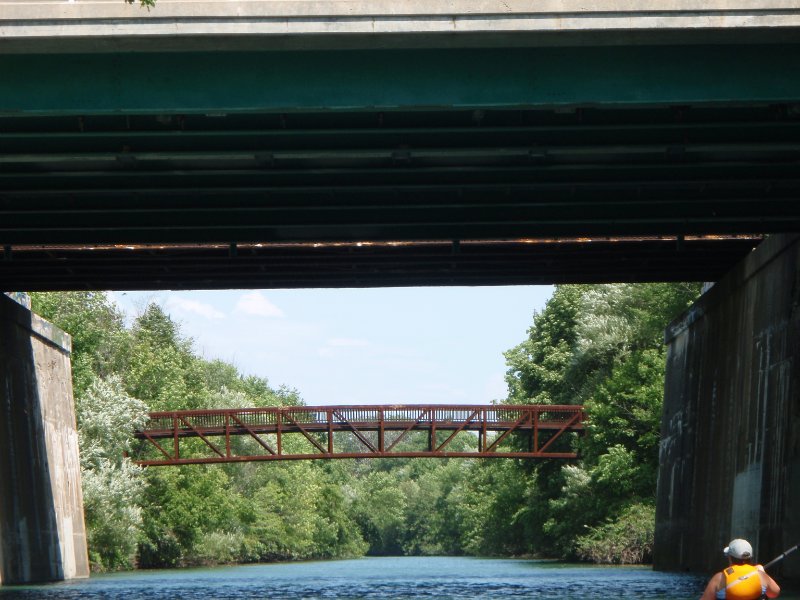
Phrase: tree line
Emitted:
{"points": [[597, 345]]}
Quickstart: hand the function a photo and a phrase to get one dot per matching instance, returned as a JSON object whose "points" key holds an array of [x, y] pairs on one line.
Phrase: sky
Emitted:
{"points": [[365, 346]]}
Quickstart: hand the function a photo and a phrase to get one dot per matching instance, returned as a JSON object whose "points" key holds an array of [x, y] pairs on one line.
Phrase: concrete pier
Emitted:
{"points": [[42, 532], [730, 449]]}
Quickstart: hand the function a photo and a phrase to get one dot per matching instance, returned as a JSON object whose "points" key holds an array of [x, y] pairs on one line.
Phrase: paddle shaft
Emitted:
{"points": [[781, 557]]}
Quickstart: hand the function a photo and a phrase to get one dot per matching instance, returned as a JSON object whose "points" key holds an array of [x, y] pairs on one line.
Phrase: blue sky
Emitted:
{"points": [[365, 346]]}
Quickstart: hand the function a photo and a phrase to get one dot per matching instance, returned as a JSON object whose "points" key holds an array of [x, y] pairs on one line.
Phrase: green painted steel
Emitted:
{"points": [[235, 168], [397, 79]]}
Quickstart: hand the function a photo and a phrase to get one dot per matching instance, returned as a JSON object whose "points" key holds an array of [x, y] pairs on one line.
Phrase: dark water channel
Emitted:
{"points": [[439, 578]]}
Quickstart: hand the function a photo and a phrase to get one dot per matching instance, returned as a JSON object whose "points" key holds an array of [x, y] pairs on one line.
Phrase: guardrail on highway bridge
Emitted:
{"points": [[112, 26]]}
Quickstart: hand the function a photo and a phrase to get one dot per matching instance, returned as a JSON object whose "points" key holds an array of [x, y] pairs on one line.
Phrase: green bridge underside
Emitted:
{"points": [[265, 169]]}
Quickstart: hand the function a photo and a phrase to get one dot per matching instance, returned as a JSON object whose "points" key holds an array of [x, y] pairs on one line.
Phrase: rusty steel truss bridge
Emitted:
{"points": [[325, 432]]}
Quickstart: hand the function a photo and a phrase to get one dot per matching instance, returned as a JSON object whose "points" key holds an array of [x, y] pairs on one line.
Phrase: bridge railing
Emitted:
{"points": [[372, 430], [341, 414]]}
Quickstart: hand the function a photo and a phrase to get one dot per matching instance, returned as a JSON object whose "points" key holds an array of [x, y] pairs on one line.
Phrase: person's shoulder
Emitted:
{"points": [[714, 580]]}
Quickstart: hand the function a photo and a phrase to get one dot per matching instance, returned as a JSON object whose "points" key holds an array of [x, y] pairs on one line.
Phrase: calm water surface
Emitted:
{"points": [[438, 578]]}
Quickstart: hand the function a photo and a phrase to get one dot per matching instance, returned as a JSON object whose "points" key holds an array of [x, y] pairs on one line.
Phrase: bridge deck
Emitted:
{"points": [[360, 431]]}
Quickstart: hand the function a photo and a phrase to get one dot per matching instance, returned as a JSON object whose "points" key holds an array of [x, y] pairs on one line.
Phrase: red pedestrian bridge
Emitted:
{"points": [[325, 432]]}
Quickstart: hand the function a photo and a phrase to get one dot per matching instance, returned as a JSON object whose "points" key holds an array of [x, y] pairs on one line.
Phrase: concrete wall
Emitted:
{"points": [[102, 25], [42, 533], [730, 449]]}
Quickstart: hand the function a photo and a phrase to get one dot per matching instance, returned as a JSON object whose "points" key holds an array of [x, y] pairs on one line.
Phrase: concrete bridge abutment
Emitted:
{"points": [[730, 449], [42, 531]]}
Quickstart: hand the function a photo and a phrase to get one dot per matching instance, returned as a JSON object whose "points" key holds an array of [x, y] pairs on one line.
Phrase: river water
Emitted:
{"points": [[404, 578]]}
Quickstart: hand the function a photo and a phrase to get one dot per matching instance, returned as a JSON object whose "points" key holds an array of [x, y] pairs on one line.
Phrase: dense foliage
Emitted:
{"points": [[597, 345], [601, 346]]}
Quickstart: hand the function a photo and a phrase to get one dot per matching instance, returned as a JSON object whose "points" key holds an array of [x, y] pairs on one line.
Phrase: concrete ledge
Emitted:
{"points": [[36, 325], [765, 253], [20, 298], [569, 20], [710, 14]]}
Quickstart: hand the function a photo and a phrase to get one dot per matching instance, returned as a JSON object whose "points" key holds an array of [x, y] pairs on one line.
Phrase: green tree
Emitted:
{"points": [[183, 505], [625, 409], [600, 345], [380, 511], [537, 365], [435, 518], [626, 540], [161, 367], [112, 485], [99, 337]]}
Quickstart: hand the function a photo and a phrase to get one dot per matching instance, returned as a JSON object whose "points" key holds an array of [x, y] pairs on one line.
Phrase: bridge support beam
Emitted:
{"points": [[730, 449], [42, 533]]}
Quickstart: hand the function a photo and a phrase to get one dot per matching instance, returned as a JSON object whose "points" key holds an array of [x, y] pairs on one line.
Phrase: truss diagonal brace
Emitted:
{"points": [[356, 432], [409, 428], [253, 434], [201, 436], [505, 434], [575, 418], [307, 435], [457, 431], [157, 445]]}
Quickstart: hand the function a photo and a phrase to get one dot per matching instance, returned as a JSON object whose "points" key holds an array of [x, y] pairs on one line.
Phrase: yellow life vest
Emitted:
{"points": [[742, 582]]}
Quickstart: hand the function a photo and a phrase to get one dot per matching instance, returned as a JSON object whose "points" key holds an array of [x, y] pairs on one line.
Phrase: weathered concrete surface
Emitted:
{"points": [[103, 25], [730, 449], [42, 533]]}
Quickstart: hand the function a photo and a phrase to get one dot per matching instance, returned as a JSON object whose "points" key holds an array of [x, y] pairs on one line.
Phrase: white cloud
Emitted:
{"points": [[186, 305], [255, 303]]}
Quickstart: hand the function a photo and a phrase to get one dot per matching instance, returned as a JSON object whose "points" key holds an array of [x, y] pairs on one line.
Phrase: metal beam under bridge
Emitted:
{"points": [[403, 166]]}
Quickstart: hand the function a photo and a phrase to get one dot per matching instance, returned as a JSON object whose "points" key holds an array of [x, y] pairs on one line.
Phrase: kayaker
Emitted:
{"points": [[741, 580]]}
